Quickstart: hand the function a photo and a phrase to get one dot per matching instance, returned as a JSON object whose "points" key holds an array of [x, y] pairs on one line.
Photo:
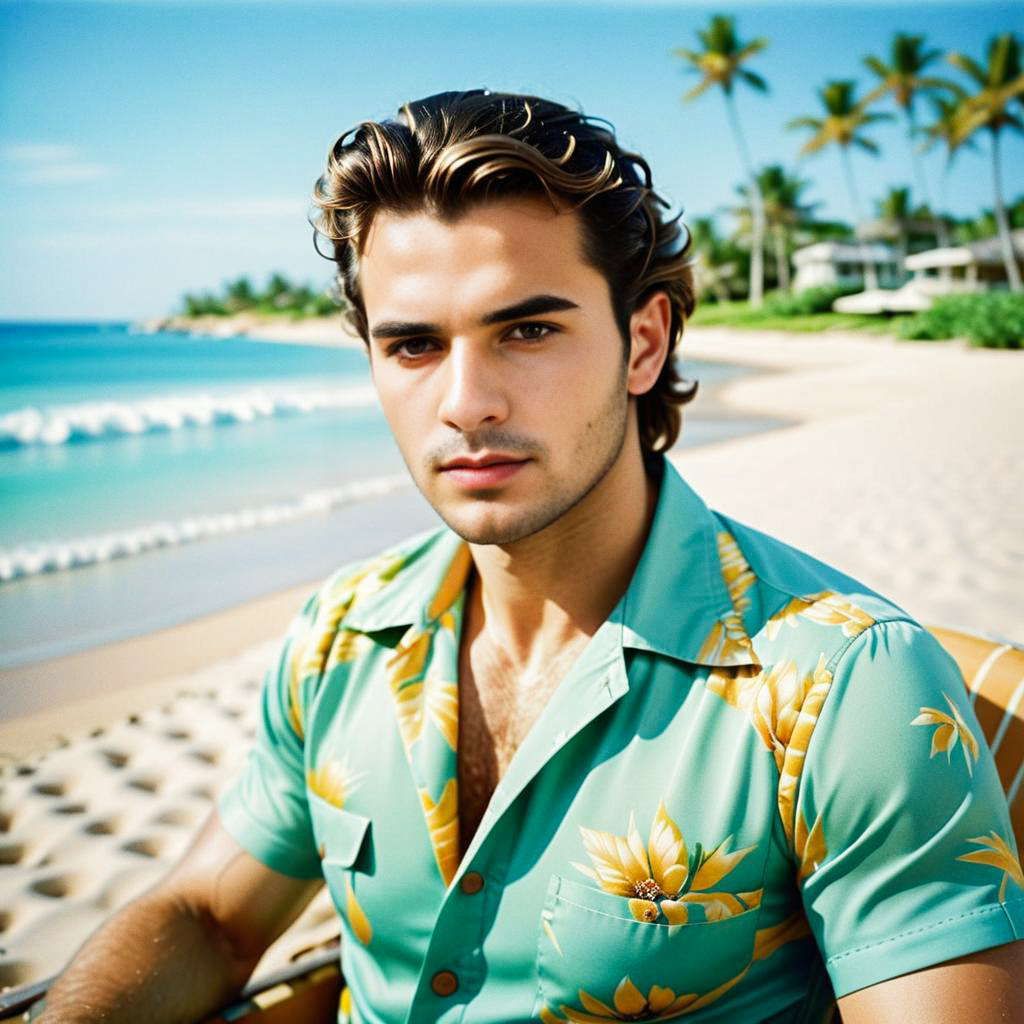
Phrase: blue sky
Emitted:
{"points": [[153, 148]]}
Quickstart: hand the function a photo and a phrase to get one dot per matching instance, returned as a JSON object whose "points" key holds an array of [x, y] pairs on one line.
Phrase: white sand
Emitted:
{"points": [[906, 470]]}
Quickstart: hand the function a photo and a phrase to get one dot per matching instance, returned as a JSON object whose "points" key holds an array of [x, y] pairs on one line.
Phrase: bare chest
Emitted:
{"points": [[497, 708]]}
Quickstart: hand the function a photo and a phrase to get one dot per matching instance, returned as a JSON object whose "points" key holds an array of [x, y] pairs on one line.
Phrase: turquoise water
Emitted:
{"points": [[146, 479]]}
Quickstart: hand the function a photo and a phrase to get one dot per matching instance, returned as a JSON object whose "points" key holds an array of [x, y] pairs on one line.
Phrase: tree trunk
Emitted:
{"points": [[870, 274], [781, 257], [1005, 241], [756, 209], [941, 234]]}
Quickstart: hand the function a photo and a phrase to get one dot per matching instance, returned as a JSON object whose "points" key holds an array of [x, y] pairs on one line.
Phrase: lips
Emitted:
{"points": [[480, 461], [482, 471]]}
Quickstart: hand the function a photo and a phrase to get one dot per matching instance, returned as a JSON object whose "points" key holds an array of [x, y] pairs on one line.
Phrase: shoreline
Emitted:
{"points": [[319, 331]]}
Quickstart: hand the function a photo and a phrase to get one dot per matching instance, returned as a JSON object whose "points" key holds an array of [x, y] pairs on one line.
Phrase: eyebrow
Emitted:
{"points": [[535, 305]]}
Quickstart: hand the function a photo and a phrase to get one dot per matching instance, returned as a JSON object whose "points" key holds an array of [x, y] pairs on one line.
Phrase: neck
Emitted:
{"points": [[549, 591]]}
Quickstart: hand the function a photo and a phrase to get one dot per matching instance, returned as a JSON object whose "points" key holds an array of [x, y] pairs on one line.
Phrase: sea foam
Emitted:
{"points": [[55, 556], [92, 421]]}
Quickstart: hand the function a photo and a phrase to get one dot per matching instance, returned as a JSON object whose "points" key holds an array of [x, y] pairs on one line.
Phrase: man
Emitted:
{"points": [[594, 752]]}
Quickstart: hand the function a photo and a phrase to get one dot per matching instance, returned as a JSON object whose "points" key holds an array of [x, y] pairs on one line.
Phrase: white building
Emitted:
{"points": [[842, 263], [951, 270]]}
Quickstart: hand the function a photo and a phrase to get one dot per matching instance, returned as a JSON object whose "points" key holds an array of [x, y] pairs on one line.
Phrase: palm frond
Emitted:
{"points": [[754, 79], [753, 47], [691, 55], [702, 86], [879, 67], [969, 66]]}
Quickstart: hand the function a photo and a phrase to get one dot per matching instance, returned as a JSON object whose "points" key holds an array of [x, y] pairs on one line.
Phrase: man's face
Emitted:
{"points": [[497, 361]]}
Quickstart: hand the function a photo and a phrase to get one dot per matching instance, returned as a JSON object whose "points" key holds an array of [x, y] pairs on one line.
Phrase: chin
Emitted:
{"points": [[490, 529]]}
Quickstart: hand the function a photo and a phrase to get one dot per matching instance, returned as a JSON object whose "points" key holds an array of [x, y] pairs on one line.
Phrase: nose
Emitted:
{"points": [[474, 392]]}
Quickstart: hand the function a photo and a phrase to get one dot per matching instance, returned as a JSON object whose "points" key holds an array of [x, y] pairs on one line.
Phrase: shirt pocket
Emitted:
{"points": [[591, 951], [341, 840]]}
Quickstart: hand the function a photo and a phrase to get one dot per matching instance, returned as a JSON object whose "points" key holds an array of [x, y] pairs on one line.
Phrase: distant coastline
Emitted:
{"points": [[327, 331]]}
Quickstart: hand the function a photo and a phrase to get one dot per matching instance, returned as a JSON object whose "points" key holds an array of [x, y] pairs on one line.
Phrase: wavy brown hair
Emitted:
{"points": [[448, 151]]}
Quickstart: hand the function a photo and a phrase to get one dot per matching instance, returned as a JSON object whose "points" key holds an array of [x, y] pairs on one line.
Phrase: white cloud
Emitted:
{"points": [[46, 163]]}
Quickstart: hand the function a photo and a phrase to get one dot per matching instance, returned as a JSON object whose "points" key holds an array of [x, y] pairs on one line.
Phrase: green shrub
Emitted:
{"points": [[991, 319], [811, 300]]}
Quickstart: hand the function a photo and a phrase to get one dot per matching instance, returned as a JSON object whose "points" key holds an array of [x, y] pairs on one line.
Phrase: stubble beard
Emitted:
{"points": [[610, 427]]}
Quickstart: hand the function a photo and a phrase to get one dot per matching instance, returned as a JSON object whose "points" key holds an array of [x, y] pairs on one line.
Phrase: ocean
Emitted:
{"points": [[147, 479]]}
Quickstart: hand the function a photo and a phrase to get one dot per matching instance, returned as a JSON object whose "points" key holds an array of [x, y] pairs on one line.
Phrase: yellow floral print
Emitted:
{"points": [[808, 846], [313, 645], [783, 706], [334, 781], [442, 706], [421, 694], [830, 609], [950, 729], [629, 1003], [357, 920], [738, 575], [997, 854], [727, 643], [826, 608], [443, 826], [768, 940], [663, 879]]}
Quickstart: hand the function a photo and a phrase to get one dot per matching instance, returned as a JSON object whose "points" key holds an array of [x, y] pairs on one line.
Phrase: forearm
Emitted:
{"points": [[156, 961]]}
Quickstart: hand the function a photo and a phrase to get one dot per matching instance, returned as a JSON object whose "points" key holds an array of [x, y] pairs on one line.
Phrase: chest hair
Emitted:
{"points": [[498, 705]]}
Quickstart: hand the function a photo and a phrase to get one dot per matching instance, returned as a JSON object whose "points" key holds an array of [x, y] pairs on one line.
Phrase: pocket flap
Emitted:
{"points": [[339, 834]]}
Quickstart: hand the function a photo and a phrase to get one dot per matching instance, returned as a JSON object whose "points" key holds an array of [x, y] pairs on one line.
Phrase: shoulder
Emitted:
{"points": [[323, 635], [804, 605]]}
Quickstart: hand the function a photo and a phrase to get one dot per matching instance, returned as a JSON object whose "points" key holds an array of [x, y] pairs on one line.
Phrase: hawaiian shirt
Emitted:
{"points": [[760, 787]]}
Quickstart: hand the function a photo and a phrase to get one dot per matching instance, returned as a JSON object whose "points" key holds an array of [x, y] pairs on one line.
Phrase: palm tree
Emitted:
{"points": [[998, 85], [895, 212], [783, 211], [720, 64], [240, 294], [945, 129], [844, 122], [712, 264], [903, 79]]}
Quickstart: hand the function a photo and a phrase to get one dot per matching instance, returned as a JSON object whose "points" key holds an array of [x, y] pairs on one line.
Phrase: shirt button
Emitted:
{"points": [[444, 983], [472, 882]]}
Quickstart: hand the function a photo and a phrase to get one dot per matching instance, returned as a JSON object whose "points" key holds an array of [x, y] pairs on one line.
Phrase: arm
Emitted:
{"points": [[983, 987], [184, 948]]}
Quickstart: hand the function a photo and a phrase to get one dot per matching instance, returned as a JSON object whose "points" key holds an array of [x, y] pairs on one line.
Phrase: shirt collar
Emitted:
{"points": [[675, 603], [678, 603]]}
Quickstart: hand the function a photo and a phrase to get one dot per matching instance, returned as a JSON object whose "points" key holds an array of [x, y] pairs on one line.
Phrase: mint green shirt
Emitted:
{"points": [[760, 786]]}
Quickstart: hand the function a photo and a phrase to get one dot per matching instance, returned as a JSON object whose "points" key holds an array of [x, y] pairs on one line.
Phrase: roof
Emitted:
{"points": [[988, 251]]}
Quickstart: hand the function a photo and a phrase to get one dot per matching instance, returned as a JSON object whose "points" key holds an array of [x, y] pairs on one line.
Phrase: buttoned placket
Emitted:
{"points": [[595, 682]]}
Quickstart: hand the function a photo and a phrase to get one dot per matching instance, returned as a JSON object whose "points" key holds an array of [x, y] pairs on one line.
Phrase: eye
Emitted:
{"points": [[531, 332], [411, 349]]}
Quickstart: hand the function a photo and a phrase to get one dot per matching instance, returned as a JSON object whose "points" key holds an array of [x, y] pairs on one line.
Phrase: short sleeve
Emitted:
{"points": [[907, 856], [265, 808]]}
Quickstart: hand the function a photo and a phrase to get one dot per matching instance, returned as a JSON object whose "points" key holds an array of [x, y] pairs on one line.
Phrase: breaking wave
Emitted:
{"points": [[96, 421], [55, 556]]}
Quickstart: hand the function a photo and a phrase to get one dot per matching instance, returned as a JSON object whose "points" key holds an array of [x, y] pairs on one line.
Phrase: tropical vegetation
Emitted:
{"points": [[278, 297], [971, 113]]}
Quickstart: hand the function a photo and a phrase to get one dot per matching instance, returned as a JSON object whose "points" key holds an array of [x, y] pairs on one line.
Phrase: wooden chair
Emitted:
{"points": [[994, 673]]}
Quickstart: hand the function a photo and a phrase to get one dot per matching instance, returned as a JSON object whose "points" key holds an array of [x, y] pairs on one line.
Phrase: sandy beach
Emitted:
{"points": [[903, 468]]}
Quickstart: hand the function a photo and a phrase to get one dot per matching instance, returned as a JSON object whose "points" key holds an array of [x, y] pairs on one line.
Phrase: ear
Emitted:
{"points": [[649, 330]]}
